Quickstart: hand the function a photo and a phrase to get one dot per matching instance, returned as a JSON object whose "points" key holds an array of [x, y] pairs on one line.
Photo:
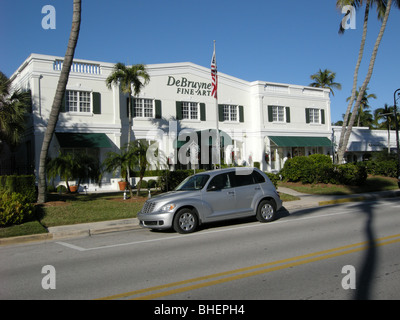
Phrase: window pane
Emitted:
{"points": [[190, 110], [233, 113], [84, 101], [148, 108], [72, 101]]}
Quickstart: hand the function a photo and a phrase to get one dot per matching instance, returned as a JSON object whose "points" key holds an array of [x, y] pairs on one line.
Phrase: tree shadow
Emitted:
{"points": [[365, 276]]}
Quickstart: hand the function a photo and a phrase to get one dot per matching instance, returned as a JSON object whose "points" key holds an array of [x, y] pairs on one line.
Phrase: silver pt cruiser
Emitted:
{"points": [[212, 196]]}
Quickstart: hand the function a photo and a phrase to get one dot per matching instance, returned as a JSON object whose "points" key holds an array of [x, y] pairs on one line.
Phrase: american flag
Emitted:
{"points": [[214, 75]]}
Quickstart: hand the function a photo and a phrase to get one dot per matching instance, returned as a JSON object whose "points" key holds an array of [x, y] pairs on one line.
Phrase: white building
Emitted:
{"points": [[363, 142], [260, 121]]}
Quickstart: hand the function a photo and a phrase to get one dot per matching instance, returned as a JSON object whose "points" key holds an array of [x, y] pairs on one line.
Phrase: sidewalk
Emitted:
{"points": [[87, 229]]}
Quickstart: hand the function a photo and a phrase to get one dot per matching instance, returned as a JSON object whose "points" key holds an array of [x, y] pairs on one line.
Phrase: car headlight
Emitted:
{"points": [[168, 207]]}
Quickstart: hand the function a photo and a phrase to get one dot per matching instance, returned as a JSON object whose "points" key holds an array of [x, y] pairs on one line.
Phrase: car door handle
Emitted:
{"points": [[257, 188], [231, 192]]}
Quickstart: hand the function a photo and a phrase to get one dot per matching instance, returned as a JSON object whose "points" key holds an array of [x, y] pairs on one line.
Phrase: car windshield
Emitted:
{"points": [[196, 182]]}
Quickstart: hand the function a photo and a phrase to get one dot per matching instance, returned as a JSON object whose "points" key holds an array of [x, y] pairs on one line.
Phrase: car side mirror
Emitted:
{"points": [[213, 188]]}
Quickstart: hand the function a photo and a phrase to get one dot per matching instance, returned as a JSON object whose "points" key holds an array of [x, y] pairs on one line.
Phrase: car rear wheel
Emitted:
{"points": [[266, 211], [185, 221]]}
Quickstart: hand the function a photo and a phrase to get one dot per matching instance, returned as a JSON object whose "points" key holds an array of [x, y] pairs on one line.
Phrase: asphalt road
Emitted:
{"points": [[320, 253]]}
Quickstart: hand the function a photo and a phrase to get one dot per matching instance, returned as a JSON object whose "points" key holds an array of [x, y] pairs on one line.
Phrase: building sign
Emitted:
{"points": [[185, 86]]}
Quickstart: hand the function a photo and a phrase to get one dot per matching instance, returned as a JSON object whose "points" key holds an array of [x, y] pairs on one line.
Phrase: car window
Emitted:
{"points": [[221, 181], [243, 179], [258, 178], [195, 182]]}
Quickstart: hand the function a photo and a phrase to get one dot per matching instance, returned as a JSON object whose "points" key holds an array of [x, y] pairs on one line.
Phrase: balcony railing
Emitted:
{"points": [[80, 67]]}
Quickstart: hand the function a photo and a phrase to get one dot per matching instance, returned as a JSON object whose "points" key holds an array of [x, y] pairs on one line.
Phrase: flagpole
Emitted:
{"points": [[215, 83]]}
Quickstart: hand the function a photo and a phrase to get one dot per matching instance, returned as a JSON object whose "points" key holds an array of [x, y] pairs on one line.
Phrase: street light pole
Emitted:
{"points": [[397, 135]]}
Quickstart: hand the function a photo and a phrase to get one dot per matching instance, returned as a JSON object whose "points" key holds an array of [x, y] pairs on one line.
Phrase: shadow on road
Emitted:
{"points": [[366, 273]]}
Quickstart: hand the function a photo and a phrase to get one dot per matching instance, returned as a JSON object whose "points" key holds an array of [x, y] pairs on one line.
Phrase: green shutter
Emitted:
{"points": [[322, 116], [202, 111], [241, 114], [158, 109], [270, 114], [307, 115], [179, 110], [287, 114], [96, 102], [221, 112]]}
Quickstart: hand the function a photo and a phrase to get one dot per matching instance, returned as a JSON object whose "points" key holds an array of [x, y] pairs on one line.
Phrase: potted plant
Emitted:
{"points": [[122, 185]]}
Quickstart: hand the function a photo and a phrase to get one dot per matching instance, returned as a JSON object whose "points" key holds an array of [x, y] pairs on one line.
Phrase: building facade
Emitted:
{"points": [[260, 123], [363, 142]]}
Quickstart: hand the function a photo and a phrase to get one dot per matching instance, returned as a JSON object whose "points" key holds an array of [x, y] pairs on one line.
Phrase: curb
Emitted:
{"points": [[26, 239], [75, 231]]}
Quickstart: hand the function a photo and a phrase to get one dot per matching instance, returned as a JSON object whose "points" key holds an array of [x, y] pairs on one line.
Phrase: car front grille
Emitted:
{"points": [[148, 207]]}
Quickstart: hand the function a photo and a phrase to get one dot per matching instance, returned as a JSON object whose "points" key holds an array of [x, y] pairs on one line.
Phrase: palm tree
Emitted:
{"points": [[122, 161], [383, 8], [58, 98], [70, 166], [325, 79], [134, 154], [364, 105], [387, 113], [135, 76], [13, 108], [139, 152]]}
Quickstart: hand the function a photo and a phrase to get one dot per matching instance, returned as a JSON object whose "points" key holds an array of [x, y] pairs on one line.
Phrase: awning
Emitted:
{"points": [[83, 140], [282, 141]]}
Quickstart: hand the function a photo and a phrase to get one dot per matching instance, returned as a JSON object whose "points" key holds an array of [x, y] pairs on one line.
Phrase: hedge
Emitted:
{"points": [[24, 184], [319, 168], [387, 168], [15, 208]]}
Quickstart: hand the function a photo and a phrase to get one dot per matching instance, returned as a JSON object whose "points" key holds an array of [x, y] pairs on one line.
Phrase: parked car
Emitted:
{"points": [[212, 196]]}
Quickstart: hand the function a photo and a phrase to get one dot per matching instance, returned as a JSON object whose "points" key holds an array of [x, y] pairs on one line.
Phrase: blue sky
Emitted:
{"points": [[277, 41]]}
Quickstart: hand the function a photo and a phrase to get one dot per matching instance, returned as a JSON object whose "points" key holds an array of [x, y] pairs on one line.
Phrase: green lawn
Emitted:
{"points": [[68, 209]]}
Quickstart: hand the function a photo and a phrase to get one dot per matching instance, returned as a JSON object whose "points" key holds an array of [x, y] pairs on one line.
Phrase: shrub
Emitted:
{"points": [[151, 183], [15, 208], [387, 168], [273, 177], [24, 184], [143, 184], [351, 174], [316, 168]]}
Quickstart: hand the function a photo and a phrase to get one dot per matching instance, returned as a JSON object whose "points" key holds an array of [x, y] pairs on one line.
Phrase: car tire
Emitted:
{"points": [[185, 221], [266, 211]]}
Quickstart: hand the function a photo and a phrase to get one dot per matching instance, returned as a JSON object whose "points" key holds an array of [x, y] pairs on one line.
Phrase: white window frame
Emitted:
{"points": [[80, 102], [231, 113], [315, 115], [279, 114], [142, 108], [190, 110]]}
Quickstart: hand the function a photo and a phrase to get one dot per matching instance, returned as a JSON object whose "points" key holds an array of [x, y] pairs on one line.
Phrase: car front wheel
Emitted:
{"points": [[266, 211], [185, 221]]}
